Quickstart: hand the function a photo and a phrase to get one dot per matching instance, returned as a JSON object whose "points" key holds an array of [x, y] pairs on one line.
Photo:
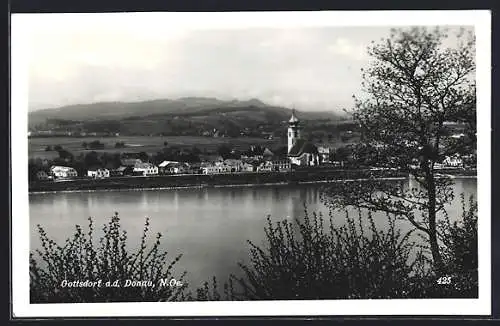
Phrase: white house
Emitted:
{"points": [[146, 169], [223, 167], [98, 173], [453, 161], [266, 166], [281, 165], [247, 167], [63, 172], [175, 168], [324, 154], [234, 165], [208, 168]]}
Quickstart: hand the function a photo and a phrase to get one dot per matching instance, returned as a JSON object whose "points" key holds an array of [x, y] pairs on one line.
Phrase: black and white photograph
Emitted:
{"points": [[251, 163]]}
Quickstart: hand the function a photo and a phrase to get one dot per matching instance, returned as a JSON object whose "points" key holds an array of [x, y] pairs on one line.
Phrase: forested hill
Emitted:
{"points": [[190, 116]]}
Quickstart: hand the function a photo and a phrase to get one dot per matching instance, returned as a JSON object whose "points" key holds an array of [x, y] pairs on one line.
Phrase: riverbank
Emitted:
{"points": [[219, 180]]}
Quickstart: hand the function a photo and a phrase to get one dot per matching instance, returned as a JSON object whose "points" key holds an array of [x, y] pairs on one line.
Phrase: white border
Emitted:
{"points": [[481, 19]]}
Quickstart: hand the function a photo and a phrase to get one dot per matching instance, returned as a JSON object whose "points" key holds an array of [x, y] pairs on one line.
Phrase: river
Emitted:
{"points": [[208, 226]]}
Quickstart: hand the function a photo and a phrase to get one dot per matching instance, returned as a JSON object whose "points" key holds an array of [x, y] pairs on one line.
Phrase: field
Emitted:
{"points": [[36, 146]]}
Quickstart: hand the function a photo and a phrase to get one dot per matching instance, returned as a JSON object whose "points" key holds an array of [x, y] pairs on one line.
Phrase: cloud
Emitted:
{"points": [[345, 47]]}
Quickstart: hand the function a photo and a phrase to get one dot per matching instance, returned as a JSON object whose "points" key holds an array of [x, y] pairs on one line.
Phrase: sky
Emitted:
{"points": [[92, 58]]}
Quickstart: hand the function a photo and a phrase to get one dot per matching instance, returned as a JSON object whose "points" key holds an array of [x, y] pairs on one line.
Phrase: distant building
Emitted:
{"points": [[300, 152], [145, 169], [209, 168], [120, 171], [281, 165], [324, 154], [234, 165], [63, 172], [43, 175], [453, 161], [98, 173], [164, 167], [266, 166], [174, 168], [247, 167]]}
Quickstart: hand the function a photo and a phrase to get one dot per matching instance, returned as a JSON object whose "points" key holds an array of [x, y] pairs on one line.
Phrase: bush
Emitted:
{"points": [[80, 259], [306, 260], [119, 144], [354, 261]]}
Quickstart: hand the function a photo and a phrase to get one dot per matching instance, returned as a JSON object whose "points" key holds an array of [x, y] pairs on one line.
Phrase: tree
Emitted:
{"points": [[119, 144], [224, 151], [143, 156], [96, 144], [414, 85]]}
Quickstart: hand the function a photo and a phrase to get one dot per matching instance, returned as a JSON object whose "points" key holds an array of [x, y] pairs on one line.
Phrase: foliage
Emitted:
{"points": [[414, 85], [80, 258], [95, 145], [307, 259]]}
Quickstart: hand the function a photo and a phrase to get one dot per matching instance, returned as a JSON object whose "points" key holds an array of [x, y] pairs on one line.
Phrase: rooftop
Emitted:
{"points": [[301, 146]]}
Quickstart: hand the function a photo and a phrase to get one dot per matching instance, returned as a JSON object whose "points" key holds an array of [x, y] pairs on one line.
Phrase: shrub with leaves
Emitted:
{"points": [[82, 259], [459, 247], [312, 259]]}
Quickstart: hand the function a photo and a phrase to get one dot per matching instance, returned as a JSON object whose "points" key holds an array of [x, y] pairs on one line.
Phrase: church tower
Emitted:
{"points": [[293, 131]]}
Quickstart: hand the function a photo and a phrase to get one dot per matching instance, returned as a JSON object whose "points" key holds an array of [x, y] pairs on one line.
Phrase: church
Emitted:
{"points": [[300, 151]]}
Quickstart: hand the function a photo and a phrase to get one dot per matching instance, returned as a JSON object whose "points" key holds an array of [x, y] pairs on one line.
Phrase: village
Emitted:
{"points": [[299, 153]]}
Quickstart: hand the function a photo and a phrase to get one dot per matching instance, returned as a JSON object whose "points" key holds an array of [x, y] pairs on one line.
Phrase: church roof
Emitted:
{"points": [[301, 146]]}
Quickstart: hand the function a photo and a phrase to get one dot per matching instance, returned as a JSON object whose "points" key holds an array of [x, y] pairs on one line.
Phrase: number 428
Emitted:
{"points": [[444, 280]]}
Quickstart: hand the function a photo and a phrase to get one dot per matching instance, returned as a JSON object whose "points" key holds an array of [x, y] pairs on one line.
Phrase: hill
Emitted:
{"points": [[183, 116]]}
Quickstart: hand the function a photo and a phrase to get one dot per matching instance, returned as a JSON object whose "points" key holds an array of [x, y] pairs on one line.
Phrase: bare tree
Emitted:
{"points": [[418, 80]]}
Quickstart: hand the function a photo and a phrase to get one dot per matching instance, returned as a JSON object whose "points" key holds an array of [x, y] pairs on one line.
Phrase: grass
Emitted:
{"points": [[37, 145]]}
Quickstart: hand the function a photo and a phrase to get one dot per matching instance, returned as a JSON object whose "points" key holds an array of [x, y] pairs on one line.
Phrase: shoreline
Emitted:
{"points": [[235, 185]]}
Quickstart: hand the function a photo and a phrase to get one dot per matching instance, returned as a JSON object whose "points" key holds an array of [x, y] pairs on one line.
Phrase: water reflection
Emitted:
{"points": [[208, 226]]}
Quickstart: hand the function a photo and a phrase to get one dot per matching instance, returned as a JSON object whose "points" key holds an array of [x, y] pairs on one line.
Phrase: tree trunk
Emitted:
{"points": [[436, 255]]}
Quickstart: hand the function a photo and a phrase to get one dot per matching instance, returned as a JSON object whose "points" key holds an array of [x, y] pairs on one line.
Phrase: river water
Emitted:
{"points": [[208, 226]]}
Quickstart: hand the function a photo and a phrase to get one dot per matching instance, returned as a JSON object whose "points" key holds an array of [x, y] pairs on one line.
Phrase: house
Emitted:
{"points": [[193, 168], [63, 172], [247, 167], [209, 168], [163, 167], [175, 168], [120, 171], [281, 165], [145, 169], [43, 175], [266, 166], [324, 154], [98, 173], [222, 167], [234, 165], [453, 161]]}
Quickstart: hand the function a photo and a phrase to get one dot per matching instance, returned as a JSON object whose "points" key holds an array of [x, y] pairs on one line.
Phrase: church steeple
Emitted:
{"points": [[293, 119], [293, 130]]}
